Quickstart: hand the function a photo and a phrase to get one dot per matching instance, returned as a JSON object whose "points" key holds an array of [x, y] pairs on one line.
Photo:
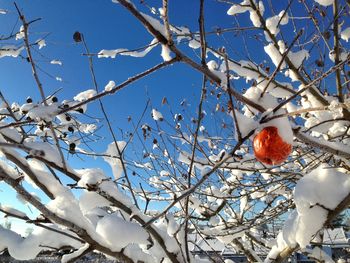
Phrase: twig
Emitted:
{"points": [[93, 76], [337, 50], [310, 84], [122, 85], [37, 80]]}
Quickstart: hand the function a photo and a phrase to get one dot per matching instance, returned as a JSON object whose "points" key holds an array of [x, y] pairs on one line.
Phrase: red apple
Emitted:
{"points": [[269, 147]]}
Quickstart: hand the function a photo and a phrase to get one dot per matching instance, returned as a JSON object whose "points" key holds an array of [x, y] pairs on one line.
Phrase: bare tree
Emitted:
{"points": [[204, 183]]}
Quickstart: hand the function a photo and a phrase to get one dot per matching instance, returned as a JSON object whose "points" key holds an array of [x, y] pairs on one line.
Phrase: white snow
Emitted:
{"points": [[90, 177], [283, 125], [212, 65], [194, 43], [243, 202], [245, 6], [12, 210], [155, 23], [173, 226], [85, 95], [161, 11], [41, 43], [324, 185], [56, 62], [87, 128], [20, 34], [319, 254], [245, 124], [315, 193], [137, 254], [254, 18], [296, 58], [242, 68], [115, 159], [66, 206], [43, 112], [104, 53], [254, 94], [10, 171], [274, 54], [280, 19], [28, 248], [166, 53], [325, 2], [239, 8], [10, 51], [156, 115], [345, 34], [70, 256], [88, 201], [119, 233], [110, 85]]}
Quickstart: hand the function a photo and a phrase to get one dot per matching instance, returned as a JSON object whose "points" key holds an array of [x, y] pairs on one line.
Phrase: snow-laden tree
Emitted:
{"points": [[177, 180]]}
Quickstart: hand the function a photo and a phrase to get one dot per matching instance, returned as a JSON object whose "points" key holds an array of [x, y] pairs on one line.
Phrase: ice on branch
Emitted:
{"points": [[117, 2], [55, 62], [20, 34], [104, 53], [12, 211], [275, 54], [157, 116], [241, 68], [10, 51], [239, 8], [11, 133], [272, 23], [41, 43], [87, 128], [110, 85], [166, 53], [50, 152], [155, 24], [342, 57], [75, 254], [246, 6], [345, 34], [9, 169], [85, 95], [325, 2], [114, 158]]}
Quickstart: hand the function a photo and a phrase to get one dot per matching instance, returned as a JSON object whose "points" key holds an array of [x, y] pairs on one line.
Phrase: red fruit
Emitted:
{"points": [[269, 147]]}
